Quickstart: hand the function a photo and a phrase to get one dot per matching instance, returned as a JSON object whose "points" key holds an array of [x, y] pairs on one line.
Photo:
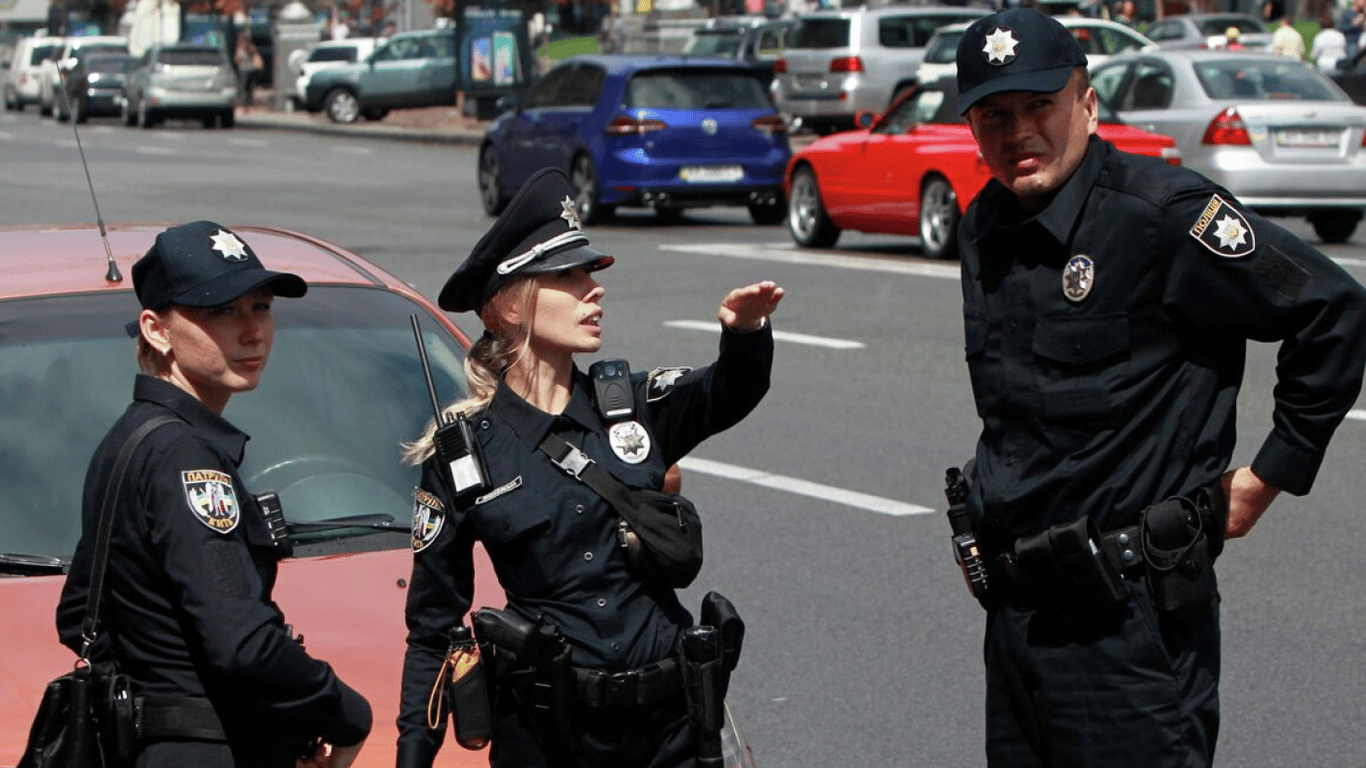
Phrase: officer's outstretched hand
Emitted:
{"points": [[1248, 497], [746, 309]]}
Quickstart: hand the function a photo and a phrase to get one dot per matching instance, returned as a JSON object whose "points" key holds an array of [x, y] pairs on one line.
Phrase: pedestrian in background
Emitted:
{"points": [[1108, 302], [188, 613], [1287, 41], [246, 59], [1330, 45], [1351, 23], [556, 544]]}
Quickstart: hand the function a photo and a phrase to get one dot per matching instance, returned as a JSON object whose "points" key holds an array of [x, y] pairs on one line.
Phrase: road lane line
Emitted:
{"points": [[795, 338], [804, 488], [1358, 414], [820, 258], [146, 150], [353, 150]]}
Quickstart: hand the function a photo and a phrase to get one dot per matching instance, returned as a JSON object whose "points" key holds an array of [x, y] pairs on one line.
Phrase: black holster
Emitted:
{"points": [[709, 652], [1179, 554], [1066, 570], [539, 674]]}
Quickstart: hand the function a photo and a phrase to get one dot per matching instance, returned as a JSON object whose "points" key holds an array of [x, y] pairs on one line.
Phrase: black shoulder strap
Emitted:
{"points": [[90, 627], [580, 466]]}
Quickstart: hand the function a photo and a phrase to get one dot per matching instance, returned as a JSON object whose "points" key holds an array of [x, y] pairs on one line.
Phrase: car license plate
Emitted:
{"points": [[1308, 137], [711, 174]]}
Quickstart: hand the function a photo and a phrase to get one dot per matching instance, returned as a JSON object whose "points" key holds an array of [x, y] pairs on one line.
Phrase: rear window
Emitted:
{"points": [[820, 33], [187, 57], [40, 54], [708, 42], [1256, 79], [696, 89], [944, 48], [1219, 26], [107, 64], [344, 387], [333, 54]]}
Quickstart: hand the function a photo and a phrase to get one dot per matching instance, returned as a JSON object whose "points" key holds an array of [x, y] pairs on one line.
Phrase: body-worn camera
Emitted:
{"points": [[612, 389]]}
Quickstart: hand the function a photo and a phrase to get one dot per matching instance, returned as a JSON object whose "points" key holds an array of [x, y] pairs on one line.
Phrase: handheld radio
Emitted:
{"points": [[456, 446]]}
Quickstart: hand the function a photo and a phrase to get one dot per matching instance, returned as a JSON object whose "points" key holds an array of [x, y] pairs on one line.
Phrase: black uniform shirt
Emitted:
{"points": [[188, 608], [1125, 394], [550, 537]]}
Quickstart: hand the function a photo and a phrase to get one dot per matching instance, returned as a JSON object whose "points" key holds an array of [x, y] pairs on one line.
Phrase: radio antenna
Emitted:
{"points": [[112, 275]]}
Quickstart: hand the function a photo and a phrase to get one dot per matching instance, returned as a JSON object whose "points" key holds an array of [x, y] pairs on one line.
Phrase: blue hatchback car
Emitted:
{"points": [[661, 132]]}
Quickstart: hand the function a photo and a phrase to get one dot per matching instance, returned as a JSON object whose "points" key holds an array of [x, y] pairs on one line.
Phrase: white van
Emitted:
{"points": [[21, 79]]}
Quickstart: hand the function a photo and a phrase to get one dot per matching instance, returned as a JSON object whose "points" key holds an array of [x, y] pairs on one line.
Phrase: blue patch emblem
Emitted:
{"points": [[429, 514], [212, 498]]}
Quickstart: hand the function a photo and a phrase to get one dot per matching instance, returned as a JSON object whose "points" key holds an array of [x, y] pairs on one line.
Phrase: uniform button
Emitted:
{"points": [[507, 524], [484, 424], [602, 602], [587, 555], [616, 646], [1123, 539], [1127, 555], [578, 509]]}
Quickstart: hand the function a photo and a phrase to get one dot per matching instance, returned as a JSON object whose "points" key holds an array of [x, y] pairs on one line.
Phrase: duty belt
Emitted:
{"points": [[161, 718], [631, 688]]}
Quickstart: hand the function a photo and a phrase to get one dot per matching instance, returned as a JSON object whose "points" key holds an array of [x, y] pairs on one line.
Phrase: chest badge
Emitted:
{"points": [[1078, 277], [429, 514], [1223, 229], [630, 442], [212, 498]]}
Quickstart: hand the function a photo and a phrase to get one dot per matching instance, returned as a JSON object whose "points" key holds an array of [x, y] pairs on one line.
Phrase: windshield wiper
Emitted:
{"points": [[31, 565], [379, 522]]}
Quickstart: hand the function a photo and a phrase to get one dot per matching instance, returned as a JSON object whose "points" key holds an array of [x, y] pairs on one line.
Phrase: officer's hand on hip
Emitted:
{"points": [[329, 756], [746, 309], [1248, 497]]}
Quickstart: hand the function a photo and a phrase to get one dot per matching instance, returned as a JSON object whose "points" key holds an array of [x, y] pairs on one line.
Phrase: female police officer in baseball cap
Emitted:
{"points": [[552, 539], [187, 613]]}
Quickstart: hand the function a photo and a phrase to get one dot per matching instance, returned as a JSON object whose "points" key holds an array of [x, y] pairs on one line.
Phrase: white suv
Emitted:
{"points": [[21, 79], [838, 63]]}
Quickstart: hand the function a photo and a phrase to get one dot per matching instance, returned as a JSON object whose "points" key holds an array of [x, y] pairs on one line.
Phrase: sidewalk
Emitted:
{"points": [[435, 125]]}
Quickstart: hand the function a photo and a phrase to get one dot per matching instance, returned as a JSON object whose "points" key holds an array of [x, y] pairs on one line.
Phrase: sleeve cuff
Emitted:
{"points": [[1286, 467]]}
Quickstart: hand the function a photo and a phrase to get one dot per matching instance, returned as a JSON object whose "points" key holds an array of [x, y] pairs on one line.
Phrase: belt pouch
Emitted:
{"points": [[1180, 565], [120, 736], [1063, 569], [469, 702]]}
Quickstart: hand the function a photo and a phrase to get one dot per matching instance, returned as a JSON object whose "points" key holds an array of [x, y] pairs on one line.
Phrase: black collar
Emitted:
{"points": [[532, 424], [232, 440], [1000, 209]]}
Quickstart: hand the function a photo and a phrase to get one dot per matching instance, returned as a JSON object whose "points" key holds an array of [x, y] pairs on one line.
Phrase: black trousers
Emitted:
{"points": [[1118, 687], [201, 754]]}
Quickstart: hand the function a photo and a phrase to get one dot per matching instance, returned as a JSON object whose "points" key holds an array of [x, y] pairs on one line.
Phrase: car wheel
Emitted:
{"points": [[584, 178], [669, 214], [341, 106], [767, 214], [227, 119], [938, 219], [209, 122], [1335, 226], [12, 101], [807, 222], [490, 189]]}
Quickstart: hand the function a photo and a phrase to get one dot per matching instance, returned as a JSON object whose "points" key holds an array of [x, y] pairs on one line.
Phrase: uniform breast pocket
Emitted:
{"points": [[1080, 359], [502, 521]]}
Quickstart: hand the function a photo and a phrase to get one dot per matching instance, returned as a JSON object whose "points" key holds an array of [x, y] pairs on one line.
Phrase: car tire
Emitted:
{"points": [[227, 119], [807, 221], [669, 214], [209, 123], [374, 114], [584, 178], [341, 106], [12, 103], [939, 217], [1334, 226], [490, 188], [767, 214]]}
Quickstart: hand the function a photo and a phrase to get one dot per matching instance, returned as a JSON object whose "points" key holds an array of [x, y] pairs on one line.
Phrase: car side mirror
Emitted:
{"points": [[864, 118]]}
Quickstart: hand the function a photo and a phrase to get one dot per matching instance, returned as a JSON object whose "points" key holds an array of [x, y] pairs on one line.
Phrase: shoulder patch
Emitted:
{"points": [[661, 382], [212, 498], [429, 514], [1223, 229]]}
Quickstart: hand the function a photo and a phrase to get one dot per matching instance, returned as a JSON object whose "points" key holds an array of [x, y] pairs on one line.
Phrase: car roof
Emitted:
{"points": [[42, 260], [618, 64], [1193, 55], [894, 10]]}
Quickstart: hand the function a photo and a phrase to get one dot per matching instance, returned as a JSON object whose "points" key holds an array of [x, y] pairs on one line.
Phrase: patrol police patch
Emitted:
{"points": [[661, 381], [212, 498], [630, 442], [428, 516], [1223, 229], [1078, 277]]}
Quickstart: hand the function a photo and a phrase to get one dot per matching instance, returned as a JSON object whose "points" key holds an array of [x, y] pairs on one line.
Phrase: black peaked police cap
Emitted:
{"points": [[203, 264], [1019, 49], [538, 232]]}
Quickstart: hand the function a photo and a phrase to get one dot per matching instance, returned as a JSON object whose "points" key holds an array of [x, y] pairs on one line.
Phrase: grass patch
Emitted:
{"points": [[570, 46]]}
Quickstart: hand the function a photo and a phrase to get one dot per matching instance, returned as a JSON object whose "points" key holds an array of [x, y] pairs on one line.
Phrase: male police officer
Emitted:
{"points": [[1108, 299]]}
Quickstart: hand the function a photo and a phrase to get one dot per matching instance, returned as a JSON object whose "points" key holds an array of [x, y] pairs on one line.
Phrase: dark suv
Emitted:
{"points": [[413, 69]]}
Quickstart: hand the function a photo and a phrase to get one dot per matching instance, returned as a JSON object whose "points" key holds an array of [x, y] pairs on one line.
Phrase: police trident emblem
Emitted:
{"points": [[1078, 277]]}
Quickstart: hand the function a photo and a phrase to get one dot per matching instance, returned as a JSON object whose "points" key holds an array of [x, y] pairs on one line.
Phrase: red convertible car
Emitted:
{"points": [[912, 172]]}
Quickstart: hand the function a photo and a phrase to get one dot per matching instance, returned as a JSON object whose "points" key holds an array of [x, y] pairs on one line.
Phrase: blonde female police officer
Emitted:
{"points": [[188, 608], [551, 538], [1108, 300]]}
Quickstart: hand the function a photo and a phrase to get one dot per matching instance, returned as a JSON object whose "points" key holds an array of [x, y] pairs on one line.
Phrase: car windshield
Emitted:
{"points": [[185, 57], [1264, 79], [713, 42], [344, 388], [1218, 25], [105, 64], [820, 33], [696, 89], [943, 48]]}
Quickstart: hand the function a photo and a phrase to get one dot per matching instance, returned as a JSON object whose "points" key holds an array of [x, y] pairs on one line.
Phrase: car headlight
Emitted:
{"points": [[735, 751]]}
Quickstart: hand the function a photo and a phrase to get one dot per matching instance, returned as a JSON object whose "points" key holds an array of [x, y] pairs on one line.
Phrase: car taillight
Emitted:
{"points": [[1171, 154], [846, 64], [779, 66], [1363, 139], [626, 126], [769, 124], [1227, 129]]}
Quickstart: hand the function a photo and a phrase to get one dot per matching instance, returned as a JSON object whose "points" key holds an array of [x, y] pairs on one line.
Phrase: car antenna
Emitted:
{"points": [[113, 274]]}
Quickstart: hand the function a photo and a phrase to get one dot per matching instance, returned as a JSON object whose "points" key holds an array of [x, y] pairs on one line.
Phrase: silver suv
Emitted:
{"points": [[840, 62], [183, 81]]}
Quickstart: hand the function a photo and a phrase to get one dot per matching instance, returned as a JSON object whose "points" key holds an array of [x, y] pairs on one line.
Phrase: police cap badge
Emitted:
{"points": [[1019, 49]]}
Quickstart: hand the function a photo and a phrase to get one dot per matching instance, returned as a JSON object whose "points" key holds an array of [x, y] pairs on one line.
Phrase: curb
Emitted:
{"points": [[304, 124]]}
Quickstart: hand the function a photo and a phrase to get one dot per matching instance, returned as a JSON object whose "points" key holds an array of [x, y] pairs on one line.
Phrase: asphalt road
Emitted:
{"points": [[822, 508]]}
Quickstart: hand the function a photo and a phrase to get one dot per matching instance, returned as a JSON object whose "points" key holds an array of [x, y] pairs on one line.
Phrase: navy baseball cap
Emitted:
{"points": [[1019, 49], [538, 232], [203, 264]]}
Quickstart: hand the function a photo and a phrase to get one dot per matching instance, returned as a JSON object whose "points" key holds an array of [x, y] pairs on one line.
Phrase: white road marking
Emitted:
{"points": [[353, 150], [249, 142], [145, 150], [6, 136], [795, 338], [840, 260], [804, 488], [1358, 415]]}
